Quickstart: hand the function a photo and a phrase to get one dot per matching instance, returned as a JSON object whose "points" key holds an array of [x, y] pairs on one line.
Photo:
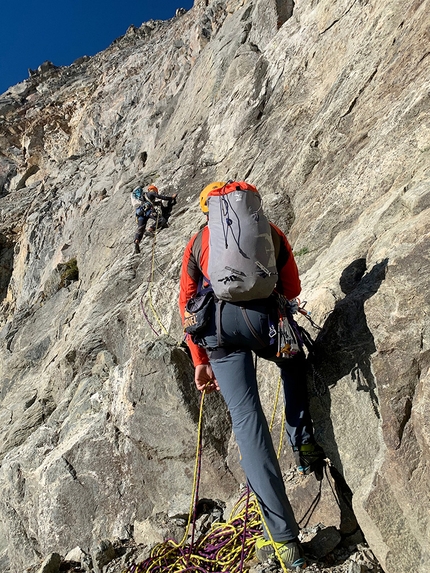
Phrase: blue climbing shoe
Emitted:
{"points": [[310, 458]]}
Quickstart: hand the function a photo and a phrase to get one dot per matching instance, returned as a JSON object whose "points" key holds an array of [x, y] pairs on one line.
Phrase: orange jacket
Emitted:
{"points": [[195, 264]]}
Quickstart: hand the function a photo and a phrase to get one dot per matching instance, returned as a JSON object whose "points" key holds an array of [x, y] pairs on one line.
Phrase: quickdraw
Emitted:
{"points": [[306, 313]]}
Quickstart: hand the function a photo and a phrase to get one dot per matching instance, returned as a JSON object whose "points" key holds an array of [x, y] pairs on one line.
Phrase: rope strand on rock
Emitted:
{"points": [[149, 291]]}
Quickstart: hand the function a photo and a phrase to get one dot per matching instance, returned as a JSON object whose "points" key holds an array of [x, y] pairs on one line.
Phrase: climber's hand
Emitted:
{"points": [[205, 378]]}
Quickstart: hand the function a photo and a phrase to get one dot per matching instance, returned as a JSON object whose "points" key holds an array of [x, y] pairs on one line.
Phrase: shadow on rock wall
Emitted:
{"points": [[6, 264], [344, 345]]}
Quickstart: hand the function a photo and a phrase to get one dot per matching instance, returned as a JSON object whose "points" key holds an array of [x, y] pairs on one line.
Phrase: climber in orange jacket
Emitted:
{"points": [[146, 205], [222, 357]]}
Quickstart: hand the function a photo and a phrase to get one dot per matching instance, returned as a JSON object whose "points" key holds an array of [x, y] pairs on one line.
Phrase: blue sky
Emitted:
{"points": [[33, 31]]}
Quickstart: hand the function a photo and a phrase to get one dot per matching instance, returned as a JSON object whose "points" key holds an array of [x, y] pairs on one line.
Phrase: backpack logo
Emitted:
{"points": [[242, 264]]}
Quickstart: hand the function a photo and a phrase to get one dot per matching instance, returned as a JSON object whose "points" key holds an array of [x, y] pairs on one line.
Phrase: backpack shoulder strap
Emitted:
{"points": [[281, 253], [276, 241], [194, 266], [197, 248]]}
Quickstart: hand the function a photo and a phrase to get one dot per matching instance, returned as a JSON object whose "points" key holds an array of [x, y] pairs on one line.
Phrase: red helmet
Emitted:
{"points": [[153, 188]]}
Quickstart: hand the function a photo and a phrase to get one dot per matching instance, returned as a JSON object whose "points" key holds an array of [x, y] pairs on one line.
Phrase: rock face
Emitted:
{"points": [[324, 106]]}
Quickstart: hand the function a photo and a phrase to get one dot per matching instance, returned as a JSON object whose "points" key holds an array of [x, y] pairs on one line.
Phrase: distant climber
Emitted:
{"points": [[150, 205], [165, 202]]}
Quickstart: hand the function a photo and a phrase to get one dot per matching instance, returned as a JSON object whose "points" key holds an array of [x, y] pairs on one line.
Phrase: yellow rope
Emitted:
{"points": [[272, 541], [172, 557], [275, 405], [196, 470], [272, 421], [169, 558], [230, 534], [159, 550], [281, 436]]}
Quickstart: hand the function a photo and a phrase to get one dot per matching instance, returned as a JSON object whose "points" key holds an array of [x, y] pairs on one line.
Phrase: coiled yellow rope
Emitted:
{"points": [[226, 546], [221, 549]]}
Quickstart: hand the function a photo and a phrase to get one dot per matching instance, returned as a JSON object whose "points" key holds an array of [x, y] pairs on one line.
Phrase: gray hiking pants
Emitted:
{"points": [[233, 367]]}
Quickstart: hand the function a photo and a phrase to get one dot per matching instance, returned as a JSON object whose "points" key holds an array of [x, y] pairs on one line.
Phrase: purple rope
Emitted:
{"points": [[242, 553], [146, 316]]}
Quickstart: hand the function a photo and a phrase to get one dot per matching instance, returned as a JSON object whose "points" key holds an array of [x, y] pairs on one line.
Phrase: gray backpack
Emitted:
{"points": [[242, 264]]}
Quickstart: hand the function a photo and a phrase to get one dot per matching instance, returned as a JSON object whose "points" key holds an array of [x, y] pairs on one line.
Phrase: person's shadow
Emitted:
{"points": [[343, 347]]}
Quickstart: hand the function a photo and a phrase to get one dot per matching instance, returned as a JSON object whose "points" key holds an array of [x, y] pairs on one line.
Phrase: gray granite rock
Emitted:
{"points": [[324, 107]]}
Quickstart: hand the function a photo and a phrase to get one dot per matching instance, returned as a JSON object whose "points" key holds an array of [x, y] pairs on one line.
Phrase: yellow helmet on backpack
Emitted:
{"points": [[204, 194]]}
